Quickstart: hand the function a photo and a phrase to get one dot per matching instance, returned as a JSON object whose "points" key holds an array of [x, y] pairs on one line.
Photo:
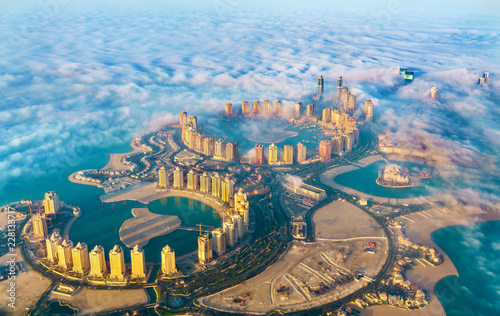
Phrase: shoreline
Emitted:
{"points": [[420, 227], [115, 163], [328, 176]]}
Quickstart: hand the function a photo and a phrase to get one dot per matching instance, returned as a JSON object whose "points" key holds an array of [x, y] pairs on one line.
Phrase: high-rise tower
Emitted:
{"points": [[39, 224], [138, 263], [273, 154], [168, 261], [117, 263], [98, 268], [81, 261], [320, 88]]}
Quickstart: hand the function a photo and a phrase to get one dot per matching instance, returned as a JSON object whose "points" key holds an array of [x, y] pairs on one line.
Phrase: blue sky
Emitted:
{"points": [[102, 73]]}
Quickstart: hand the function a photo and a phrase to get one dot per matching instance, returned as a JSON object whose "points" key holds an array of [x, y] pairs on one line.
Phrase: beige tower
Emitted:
{"points": [[325, 150], [178, 178], [241, 206], [220, 149], [193, 121], [368, 110], [239, 225], [162, 178], [244, 108], [326, 115], [168, 261], [227, 189], [301, 153], [267, 106], [277, 107], [205, 183], [51, 203], [256, 107], [298, 109], [219, 241], [81, 261], [98, 268], [52, 243], [216, 185], [208, 146], [434, 93], [39, 225], [138, 263], [230, 232], [183, 118], [273, 154], [117, 269], [288, 155], [192, 180], [204, 249], [337, 144], [228, 109], [231, 151], [310, 110], [64, 257]]}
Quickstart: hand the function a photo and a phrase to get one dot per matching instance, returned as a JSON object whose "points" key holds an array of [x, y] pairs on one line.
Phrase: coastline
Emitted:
{"points": [[328, 176], [420, 227], [115, 163]]}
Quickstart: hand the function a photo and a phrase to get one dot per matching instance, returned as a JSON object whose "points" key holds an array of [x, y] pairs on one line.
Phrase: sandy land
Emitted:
{"points": [[3, 219], [341, 220], [93, 301], [114, 159], [145, 226], [72, 179], [29, 287], [419, 229]]}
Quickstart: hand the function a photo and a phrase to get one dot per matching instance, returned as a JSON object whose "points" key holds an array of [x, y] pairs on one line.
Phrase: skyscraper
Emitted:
{"points": [[204, 249], [193, 121], [228, 109], [259, 155], [320, 88], [52, 243], [338, 97], [345, 99], [239, 225], [244, 108], [256, 107], [200, 138], [310, 110], [298, 109], [81, 261], [219, 241], [98, 268], [267, 106], [351, 103], [208, 146], [162, 178], [192, 180], [337, 144], [205, 183], [216, 185], [288, 155], [39, 225], [51, 203], [231, 151], [273, 154], [231, 237], [220, 149], [368, 110], [117, 263], [325, 150], [434, 93], [277, 107], [241, 206], [183, 118], [301, 153], [168, 261], [178, 178], [64, 257], [227, 189], [138, 263], [326, 115]]}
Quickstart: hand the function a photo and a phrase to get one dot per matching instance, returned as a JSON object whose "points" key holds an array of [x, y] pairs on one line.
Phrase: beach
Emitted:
{"points": [[115, 163], [420, 227]]}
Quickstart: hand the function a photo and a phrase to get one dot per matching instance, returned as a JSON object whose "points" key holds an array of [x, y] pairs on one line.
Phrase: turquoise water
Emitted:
{"points": [[364, 180], [475, 251], [101, 228], [249, 132]]}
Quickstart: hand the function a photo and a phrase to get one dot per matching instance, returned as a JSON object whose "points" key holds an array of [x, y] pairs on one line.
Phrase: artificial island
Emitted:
{"points": [[283, 234]]}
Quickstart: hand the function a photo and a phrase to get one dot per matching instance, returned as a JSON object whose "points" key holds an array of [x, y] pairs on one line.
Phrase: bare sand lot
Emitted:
{"points": [[307, 275], [92, 301], [29, 286], [343, 220]]}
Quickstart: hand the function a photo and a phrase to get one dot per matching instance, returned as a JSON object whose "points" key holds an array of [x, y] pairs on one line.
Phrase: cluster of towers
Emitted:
{"points": [[345, 100], [208, 146], [484, 79], [256, 110], [273, 158], [78, 260], [206, 183], [233, 230]]}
